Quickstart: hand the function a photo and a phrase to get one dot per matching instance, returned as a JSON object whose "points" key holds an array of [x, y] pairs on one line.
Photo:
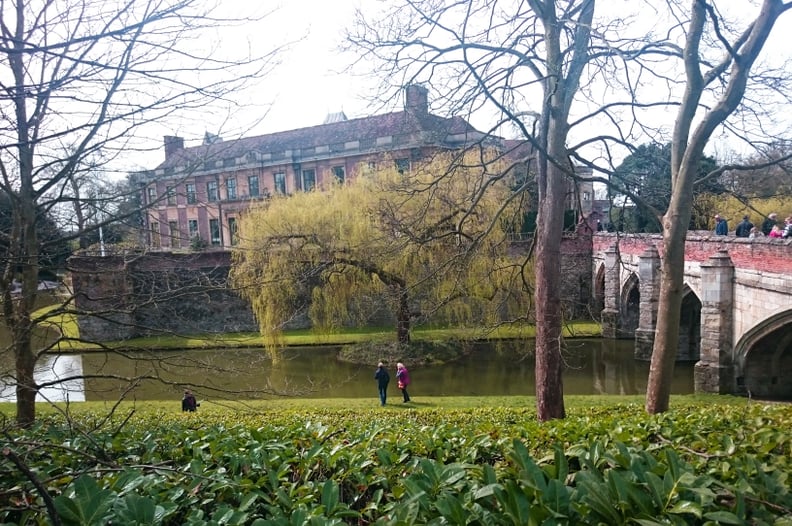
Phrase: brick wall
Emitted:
{"points": [[163, 292], [141, 295], [761, 254]]}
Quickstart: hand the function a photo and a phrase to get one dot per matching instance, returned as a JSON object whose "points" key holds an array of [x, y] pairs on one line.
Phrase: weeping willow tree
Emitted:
{"points": [[430, 243]]}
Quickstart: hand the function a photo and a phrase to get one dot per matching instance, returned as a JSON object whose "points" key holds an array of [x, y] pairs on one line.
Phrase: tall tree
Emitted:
{"points": [[533, 66], [428, 245], [82, 77], [714, 91], [646, 175]]}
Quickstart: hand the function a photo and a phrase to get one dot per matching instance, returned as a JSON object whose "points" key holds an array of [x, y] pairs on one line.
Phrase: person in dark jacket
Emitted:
{"points": [[721, 226], [769, 223], [743, 228], [188, 402], [382, 377]]}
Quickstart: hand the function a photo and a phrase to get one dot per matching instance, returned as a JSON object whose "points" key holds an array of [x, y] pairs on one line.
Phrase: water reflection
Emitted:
{"points": [[592, 367], [65, 371]]}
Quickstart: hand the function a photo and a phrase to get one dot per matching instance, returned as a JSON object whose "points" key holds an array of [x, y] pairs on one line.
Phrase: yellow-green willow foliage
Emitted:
{"points": [[733, 209], [428, 244]]}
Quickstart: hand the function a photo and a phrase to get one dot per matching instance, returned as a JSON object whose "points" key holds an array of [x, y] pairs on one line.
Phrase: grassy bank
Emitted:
{"points": [[67, 325]]}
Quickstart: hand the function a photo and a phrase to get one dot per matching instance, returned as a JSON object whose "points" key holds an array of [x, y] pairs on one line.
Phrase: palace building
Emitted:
{"points": [[194, 198]]}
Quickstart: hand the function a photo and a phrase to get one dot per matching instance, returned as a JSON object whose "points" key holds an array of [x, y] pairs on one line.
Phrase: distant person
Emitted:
{"points": [[769, 223], [721, 226], [776, 232], [403, 377], [382, 377], [743, 227], [755, 232], [787, 227], [188, 402]]}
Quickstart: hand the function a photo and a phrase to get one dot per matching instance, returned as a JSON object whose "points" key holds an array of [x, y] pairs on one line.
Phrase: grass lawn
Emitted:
{"points": [[575, 405]]}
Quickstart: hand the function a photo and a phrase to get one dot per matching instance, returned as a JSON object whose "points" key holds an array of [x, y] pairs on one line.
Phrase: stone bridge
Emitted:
{"points": [[736, 319]]}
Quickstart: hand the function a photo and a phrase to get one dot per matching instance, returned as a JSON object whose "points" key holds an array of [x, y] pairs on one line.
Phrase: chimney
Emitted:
{"points": [[416, 99], [173, 144]]}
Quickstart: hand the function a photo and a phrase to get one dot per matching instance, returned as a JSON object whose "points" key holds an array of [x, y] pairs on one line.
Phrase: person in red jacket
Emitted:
{"points": [[403, 379]]}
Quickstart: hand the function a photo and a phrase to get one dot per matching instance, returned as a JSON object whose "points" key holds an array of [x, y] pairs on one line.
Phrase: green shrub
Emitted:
{"points": [[698, 464]]}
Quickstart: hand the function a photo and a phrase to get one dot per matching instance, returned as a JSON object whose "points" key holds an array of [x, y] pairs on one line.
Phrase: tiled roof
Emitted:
{"points": [[389, 124]]}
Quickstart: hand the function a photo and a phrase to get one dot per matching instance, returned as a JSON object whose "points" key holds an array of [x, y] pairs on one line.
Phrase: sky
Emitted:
{"points": [[318, 84], [309, 84]]}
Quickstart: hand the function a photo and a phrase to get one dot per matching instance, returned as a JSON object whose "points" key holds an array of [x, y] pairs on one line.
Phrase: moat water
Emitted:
{"points": [[592, 366]]}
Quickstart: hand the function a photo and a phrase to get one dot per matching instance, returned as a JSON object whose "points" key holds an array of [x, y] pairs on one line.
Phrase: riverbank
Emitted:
{"points": [[68, 327]]}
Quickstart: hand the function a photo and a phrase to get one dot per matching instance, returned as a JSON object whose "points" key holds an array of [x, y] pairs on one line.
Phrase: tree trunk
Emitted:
{"points": [[666, 344], [549, 344], [403, 317], [26, 388], [549, 384]]}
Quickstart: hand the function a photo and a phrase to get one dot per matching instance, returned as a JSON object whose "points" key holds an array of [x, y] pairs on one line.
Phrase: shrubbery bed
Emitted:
{"points": [[611, 464]]}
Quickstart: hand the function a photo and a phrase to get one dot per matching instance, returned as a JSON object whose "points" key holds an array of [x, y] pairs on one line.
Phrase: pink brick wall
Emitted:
{"points": [[764, 254]]}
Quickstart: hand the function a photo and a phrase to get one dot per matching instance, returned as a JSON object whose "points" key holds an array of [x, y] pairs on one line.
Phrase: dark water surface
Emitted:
{"points": [[593, 366]]}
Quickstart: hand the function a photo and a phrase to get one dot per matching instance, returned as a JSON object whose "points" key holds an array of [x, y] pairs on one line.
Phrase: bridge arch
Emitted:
{"points": [[689, 326], [630, 305], [598, 302], [763, 358]]}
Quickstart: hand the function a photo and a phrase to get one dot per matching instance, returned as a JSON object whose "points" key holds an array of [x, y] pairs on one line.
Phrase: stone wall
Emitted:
{"points": [[133, 295], [576, 281], [127, 296]]}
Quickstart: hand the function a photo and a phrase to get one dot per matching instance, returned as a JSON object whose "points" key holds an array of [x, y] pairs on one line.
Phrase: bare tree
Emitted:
{"points": [[83, 77], [714, 91], [533, 66]]}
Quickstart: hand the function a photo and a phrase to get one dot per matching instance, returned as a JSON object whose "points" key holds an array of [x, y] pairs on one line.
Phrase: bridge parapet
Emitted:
{"points": [[760, 254]]}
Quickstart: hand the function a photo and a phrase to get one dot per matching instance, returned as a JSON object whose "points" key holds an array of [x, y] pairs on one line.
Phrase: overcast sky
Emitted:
{"points": [[310, 82]]}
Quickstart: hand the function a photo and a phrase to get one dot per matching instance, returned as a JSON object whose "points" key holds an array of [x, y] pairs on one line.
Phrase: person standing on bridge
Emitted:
{"points": [[744, 228], [787, 232], [769, 223], [721, 226]]}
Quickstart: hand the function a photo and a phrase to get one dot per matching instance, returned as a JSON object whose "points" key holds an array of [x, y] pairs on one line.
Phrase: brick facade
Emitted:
{"points": [[199, 192]]}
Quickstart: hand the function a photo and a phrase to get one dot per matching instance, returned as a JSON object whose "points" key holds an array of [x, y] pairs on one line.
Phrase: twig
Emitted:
{"points": [[10, 455]]}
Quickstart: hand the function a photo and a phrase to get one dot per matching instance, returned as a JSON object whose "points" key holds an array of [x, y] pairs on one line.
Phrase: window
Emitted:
{"points": [[253, 186], [587, 196], [211, 191], [339, 173], [170, 192], [367, 167], [232, 229], [280, 183], [214, 231], [192, 228], [152, 194], [190, 191], [231, 192], [403, 165], [173, 227], [155, 234], [308, 180]]}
